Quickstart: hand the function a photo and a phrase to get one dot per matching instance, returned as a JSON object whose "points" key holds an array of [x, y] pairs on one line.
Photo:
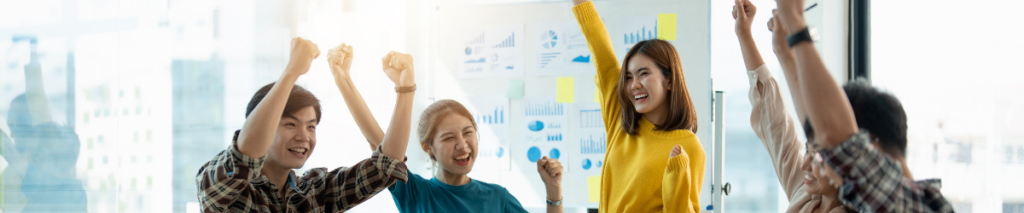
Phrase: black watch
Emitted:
{"points": [[800, 36]]}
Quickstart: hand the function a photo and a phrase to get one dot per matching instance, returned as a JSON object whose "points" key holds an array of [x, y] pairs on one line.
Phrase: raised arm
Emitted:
{"points": [[827, 106], [261, 125], [340, 61], [35, 94], [399, 68], [772, 124], [600, 44], [550, 171], [744, 12], [785, 56]]}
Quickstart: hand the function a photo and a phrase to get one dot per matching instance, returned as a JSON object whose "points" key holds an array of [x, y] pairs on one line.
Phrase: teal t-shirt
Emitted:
{"points": [[422, 195]]}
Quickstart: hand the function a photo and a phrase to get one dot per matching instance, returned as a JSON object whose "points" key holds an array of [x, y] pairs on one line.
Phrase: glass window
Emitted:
{"points": [[113, 106], [963, 100]]}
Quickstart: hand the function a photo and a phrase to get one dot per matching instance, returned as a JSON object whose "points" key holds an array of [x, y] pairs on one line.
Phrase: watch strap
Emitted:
{"points": [[800, 36], [554, 203], [405, 89]]}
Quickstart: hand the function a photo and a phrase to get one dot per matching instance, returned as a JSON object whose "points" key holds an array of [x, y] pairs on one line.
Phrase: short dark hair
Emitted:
{"points": [[881, 114], [681, 114], [298, 99]]}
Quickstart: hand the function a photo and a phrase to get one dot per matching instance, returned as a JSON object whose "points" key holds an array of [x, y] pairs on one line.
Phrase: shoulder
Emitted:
{"points": [[491, 188], [314, 177]]}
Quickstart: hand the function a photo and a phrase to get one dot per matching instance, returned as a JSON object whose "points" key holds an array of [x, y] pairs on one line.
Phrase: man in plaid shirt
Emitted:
{"points": [[870, 167], [868, 179], [255, 173]]}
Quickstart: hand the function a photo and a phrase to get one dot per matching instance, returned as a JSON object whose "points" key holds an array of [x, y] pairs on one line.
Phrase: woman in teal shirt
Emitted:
{"points": [[447, 133]]}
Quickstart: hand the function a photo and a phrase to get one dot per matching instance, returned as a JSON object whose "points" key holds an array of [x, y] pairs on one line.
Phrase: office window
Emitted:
{"points": [[963, 102]]}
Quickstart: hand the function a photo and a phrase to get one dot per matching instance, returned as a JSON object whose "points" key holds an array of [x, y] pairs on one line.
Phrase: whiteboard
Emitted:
{"points": [[454, 19]]}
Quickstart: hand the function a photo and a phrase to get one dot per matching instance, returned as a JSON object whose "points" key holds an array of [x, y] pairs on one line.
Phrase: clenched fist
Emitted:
{"points": [[303, 53]]}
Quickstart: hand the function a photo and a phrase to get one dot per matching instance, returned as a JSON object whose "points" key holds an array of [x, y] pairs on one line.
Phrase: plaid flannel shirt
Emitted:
{"points": [[232, 182], [874, 182]]}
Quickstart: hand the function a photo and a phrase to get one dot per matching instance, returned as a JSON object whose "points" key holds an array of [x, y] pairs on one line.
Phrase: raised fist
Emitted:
{"points": [[340, 60], [550, 172], [302, 55], [399, 68]]}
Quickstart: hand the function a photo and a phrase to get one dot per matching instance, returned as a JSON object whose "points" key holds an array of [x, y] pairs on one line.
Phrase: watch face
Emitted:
{"points": [[814, 33]]}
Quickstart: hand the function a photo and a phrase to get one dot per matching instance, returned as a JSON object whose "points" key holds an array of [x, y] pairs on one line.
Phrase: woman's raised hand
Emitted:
{"points": [[340, 60], [550, 171], [779, 34], [743, 12], [399, 68]]}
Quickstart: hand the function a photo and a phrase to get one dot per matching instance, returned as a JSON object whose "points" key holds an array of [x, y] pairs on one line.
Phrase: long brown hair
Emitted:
{"points": [[681, 114], [433, 115]]}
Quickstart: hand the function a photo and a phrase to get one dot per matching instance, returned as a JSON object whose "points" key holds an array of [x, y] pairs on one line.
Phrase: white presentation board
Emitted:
{"points": [[481, 48]]}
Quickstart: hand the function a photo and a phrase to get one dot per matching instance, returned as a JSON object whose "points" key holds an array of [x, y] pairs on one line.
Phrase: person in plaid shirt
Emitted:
{"points": [[255, 173], [868, 164]]}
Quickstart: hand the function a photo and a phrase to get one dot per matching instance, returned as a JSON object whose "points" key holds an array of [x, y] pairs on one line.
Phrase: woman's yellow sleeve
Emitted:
{"points": [[600, 44]]}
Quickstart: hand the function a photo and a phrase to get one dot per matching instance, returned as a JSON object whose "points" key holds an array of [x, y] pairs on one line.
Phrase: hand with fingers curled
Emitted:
{"points": [[779, 43], [339, 59], [743, 12], [302, 54], [399, 68], [550, 171], [676, 151]]}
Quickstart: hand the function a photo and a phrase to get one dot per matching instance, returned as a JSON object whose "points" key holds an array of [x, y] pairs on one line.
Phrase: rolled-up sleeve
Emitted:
{"points": [[874, 182], [345, 187], [223, 180], [772, 124]]}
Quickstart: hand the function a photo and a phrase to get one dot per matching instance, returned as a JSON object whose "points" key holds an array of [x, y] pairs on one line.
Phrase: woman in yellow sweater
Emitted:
{"points": [[647, 112]]}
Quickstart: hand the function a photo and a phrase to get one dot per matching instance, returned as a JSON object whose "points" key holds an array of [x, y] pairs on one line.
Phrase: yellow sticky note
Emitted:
{"points": [[597, 96], [565, 90], [667, 26], [594, 188]]}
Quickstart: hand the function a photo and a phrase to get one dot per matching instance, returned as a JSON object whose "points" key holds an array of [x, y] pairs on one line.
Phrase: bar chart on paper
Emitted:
{"points": [[635, 30], [491, 115], [643, 33], [508, 42], [591, 118], [590, 146], [493, 51], [495, 117], [549, 108], [593, 144], [544, 133]]}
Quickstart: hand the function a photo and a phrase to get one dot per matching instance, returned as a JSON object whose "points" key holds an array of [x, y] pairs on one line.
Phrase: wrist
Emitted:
{"points": [[554, 193], [794, 22], [744, 34], [289, 75], [342, 81], [555, 198]]}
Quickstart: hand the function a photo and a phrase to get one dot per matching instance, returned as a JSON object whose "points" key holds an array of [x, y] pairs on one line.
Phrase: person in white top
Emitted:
{"points": [[798, 174]]}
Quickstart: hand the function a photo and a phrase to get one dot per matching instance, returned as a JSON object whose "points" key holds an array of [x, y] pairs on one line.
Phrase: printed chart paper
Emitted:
{"points": [[544, 131], [491, 52]]}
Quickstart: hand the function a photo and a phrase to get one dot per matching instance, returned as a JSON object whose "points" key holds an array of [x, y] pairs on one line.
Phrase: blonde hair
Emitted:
{"points": [[433, 115]]}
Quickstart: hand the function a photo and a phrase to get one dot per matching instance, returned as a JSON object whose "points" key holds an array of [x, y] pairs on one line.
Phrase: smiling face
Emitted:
{"points": [[295, 139], [646, 84], [453, 144], [814, 182]]}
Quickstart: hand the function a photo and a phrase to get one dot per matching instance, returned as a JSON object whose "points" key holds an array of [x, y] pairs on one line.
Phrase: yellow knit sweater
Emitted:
{"points": [[637, 175]]}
